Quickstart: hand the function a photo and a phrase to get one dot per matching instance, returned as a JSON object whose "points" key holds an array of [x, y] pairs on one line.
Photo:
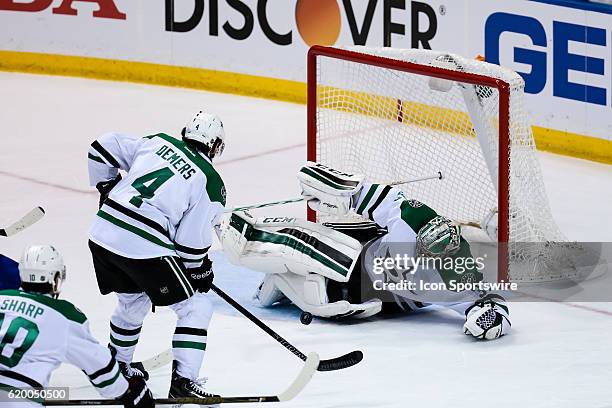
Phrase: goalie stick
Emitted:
{"points": [[24, 222], [338, 363], [437, 176], [298, 384]]}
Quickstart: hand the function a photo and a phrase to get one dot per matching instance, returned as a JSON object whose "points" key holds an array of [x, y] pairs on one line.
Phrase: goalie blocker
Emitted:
{"points": [[297, 257]]}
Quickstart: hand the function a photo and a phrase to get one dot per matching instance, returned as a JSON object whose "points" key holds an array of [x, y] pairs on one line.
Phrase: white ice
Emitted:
{"points": [[558, 355]]}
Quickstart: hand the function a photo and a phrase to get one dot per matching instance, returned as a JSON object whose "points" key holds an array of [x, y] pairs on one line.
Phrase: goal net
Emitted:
{"points": [[395, 114]]}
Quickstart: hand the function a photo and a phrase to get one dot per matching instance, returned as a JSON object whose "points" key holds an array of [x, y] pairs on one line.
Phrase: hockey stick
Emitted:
{"points": [[158, 361], [298, 384], [150, 364], [338, 363], [24, 222], [437, 176], [473, 224]]}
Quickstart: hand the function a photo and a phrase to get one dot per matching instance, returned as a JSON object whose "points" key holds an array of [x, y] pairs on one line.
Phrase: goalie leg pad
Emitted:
{"points": [[310, 295], [280, 245], [268, 293]]}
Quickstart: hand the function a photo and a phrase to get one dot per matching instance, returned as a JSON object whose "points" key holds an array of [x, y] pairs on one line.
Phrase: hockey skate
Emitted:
{"points": [[129, 370], [181, 387]]}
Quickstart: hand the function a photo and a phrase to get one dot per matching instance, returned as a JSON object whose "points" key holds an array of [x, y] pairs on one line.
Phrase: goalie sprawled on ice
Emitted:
{"points": [[328, 269]]}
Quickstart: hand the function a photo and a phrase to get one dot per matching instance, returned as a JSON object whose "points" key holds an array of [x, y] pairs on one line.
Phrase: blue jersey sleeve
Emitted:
{"points": [[9, 273]]}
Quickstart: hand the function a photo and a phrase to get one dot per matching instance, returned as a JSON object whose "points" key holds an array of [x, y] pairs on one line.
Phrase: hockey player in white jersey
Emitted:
{"points": [[38, 332], [150, 238], [327, 270]]}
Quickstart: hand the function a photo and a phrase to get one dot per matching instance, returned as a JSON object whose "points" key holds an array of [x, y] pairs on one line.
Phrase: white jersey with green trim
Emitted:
{"points": [[38, 333], [388, 207], [165, 205]]}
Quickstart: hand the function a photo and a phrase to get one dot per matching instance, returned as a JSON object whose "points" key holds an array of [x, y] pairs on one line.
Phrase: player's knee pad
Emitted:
{"points": [[131, 309], [195, 311], [280, 245]]}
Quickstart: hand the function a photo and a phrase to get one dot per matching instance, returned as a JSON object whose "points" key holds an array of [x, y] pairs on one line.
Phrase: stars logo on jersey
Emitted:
{"points": [[414, 203], [468, 277], [224, 194]]}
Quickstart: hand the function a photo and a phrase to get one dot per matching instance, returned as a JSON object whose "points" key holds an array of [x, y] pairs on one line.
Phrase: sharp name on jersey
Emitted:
{"points": [[38, 333]]}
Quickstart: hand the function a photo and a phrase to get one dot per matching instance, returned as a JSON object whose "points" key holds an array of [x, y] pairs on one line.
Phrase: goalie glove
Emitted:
{"points": [[488, 318], [328, 190]]}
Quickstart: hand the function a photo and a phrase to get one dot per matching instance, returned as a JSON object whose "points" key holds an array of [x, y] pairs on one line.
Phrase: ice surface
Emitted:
{"points": [[558, 355]]}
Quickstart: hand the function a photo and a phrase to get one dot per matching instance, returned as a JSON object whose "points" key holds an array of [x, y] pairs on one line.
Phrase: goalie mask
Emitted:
{"points": [[42, 270], [439, 238], [206, 129]]}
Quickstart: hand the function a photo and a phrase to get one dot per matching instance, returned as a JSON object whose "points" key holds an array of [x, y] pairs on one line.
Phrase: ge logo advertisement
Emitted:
{"points": [[563, 54], [563, 35]]}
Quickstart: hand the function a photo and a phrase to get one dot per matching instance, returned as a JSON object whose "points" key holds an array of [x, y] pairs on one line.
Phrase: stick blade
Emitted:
{"points": [[312, 362], [162, 359], [27, 220], [338, 363]]}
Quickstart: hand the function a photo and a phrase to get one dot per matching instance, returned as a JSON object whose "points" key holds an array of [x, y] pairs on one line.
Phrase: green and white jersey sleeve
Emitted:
{"points": [[38, 333], [388, 207], [166, 203], [109, 154]]}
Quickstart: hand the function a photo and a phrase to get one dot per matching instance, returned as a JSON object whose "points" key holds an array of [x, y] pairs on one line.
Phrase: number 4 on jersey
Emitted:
{"points": [[154, 179]]}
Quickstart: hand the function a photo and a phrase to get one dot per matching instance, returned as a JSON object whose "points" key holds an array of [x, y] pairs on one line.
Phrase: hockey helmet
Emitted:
{"points": [[440, 237], [41, 267], [206, 129]]}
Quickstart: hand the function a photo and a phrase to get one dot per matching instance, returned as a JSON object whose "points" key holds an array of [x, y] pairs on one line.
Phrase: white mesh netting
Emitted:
{"points": [[392, 125]]}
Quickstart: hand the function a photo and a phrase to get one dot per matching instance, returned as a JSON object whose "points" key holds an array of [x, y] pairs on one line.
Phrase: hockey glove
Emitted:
{"points": [[105, 187], [328, 190], [488, 318], [201, 278], [138, 394]]}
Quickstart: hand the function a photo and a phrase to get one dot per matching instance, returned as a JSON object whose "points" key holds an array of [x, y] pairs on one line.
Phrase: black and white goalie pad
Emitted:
{"points": [[329, 190], [309, 293], [282, 244]]}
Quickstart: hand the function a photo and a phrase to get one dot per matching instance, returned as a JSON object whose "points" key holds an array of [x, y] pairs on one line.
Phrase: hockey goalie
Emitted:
{"points": [[329, 270]]}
